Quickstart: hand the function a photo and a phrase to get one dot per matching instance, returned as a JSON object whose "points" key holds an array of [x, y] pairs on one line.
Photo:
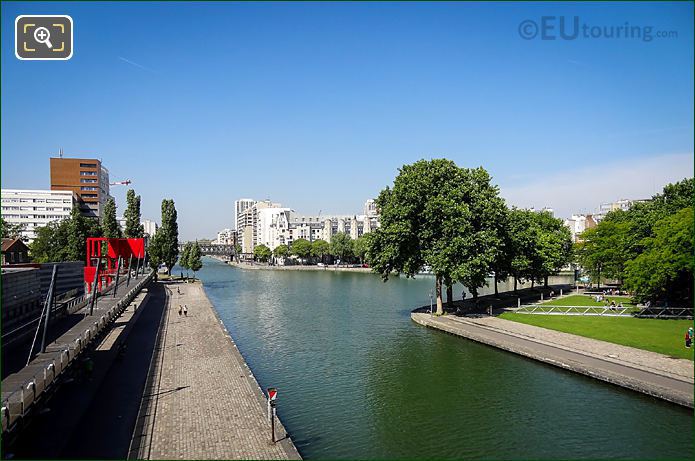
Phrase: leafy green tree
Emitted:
{"points": [[301, 248], [79, 228], [341, 246], [50, 243], [133, 226], [281, 251], [664, 271], [185, 257], [520, 242], [261, 253], [320, 249], [360, 247], [169, 235], [553, 246], [195, 258], [12, 230], [109, 223], [439, 215], [155, 247], [606, 249]]}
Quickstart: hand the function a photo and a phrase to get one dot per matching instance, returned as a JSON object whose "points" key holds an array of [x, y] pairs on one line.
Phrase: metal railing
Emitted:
{"points": [[19, 401], [548, 309], [655, 312]]}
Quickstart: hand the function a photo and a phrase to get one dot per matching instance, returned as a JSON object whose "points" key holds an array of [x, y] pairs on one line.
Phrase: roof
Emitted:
{"points": [[9, 243]]}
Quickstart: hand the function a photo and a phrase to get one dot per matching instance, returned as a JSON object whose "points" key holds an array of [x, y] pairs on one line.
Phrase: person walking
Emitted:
{"points": [[180, 309], [185, 310], [688, 339]]}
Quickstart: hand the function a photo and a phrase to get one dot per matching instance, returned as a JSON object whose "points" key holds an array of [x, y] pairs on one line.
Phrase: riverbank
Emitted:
{"points": [[639, 370], [201, 400], [262, 266]]}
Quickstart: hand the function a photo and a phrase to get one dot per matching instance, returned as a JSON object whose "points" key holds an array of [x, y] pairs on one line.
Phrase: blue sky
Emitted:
{"points": [[317, 105]]}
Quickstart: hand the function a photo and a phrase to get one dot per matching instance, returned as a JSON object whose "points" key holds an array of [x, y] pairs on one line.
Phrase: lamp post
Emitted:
{"points": [[431, 300]]}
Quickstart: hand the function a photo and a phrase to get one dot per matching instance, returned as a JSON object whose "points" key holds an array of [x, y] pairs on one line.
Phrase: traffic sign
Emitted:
{"points": [[272, 393]]}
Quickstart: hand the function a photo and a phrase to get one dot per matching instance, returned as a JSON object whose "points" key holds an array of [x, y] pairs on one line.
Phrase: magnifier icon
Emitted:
{"points": [[42, 35]]}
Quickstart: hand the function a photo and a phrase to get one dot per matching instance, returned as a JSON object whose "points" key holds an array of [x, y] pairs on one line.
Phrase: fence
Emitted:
{"points": [[547, 309], [23, 390]]}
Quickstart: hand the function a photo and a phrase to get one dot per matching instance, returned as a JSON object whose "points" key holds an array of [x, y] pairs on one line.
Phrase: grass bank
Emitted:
{"points": [[656, 335], [584, 300]]}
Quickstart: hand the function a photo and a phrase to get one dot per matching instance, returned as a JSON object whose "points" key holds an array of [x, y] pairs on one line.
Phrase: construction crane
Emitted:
{"points": [[120, 183]]}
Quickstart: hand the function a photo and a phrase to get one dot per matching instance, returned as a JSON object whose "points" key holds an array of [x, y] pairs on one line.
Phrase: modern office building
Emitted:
{"points": [[36, 208], [86, 177]]}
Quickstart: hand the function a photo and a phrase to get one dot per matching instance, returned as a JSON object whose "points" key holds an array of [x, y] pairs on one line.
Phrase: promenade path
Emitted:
{"points": [[201, 401], [644, 371]]}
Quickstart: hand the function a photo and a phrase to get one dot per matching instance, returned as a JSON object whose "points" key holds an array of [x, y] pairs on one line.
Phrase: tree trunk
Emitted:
{"points": [[450, 297], [515, 281], [438, 290], [533, 282], [599, 278], [497, 294], [545, 281]]}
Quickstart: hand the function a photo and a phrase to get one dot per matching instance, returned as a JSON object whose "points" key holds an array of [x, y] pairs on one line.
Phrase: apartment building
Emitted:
{"points": [[86, 177], [36, 208]]}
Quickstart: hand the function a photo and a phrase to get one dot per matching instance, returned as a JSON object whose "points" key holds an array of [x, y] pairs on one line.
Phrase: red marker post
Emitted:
{"points": [[272, 395]]}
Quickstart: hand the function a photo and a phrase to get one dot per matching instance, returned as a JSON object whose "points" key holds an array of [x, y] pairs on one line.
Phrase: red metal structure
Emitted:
{"points": [[108, 251]]}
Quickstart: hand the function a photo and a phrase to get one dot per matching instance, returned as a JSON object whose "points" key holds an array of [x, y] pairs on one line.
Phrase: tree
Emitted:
{"points": [[439, 215], [301, 248], [664, 271], [553, 246], [520, 243], [195, 261], [133, 226], [50, 243], [79, 228], [320, 248], [261, 253], [169, 238], [12, 230], [185, 257], [155, 247], [360, 247], [606, 249], [281, 251], [341, 246], [109, 223]]}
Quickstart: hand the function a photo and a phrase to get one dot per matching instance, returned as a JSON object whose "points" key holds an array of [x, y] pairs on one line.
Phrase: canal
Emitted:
{"points": [[358, 379]]}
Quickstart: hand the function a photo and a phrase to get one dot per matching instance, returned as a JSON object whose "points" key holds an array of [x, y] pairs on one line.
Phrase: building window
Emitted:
{"points": [[88, 181], [88, 173], [88, 165], [87, 188]]}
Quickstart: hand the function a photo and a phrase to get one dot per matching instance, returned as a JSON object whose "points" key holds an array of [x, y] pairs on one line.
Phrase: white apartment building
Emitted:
{"points": [[36, 208], [149, 226], [622, 204], [578, 224], [240, 206], [271, 224], [226, 237]]}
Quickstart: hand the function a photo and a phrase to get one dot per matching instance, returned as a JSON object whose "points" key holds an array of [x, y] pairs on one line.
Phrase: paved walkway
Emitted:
{"points": [[644, 371], [201, 400]]}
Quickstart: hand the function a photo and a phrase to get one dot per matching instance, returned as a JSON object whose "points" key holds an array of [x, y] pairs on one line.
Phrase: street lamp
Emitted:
{"points": [[431, 300]]}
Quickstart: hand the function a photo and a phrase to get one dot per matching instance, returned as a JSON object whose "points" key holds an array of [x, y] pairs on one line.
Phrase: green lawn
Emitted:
{"points": [[663, 336], [584, 300]]}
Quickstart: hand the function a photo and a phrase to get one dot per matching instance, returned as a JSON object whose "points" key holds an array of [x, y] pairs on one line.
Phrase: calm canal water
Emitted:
{"points": [[358, 379]]}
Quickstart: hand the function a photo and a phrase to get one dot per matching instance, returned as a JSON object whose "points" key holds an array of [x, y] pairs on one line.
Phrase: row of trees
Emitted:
{"points": [[648, 248], [453, 220], [342, 247], [191, 257], [163, 247]]}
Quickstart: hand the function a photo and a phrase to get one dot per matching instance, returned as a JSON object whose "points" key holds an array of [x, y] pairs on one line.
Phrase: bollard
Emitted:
{"points": [[560, 291], [541, 296], [518, 302]]}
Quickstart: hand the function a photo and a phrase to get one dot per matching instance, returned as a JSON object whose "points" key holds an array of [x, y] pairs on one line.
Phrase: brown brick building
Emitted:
{"points": [[86, 177]]}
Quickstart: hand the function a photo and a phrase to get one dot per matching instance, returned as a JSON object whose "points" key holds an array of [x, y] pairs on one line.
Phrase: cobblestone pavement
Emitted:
{"points": [[647, 372], [638, 358], [202, 402]]}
